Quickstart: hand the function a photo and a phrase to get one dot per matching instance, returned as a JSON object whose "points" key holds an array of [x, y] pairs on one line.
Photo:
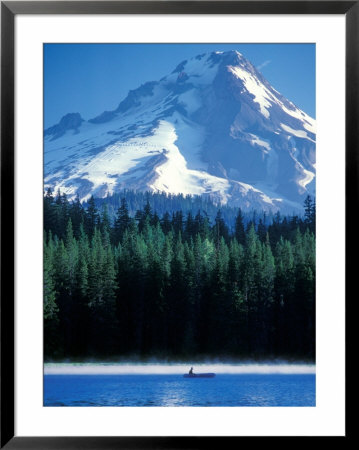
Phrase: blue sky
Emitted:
{"points": [[92, 78]]}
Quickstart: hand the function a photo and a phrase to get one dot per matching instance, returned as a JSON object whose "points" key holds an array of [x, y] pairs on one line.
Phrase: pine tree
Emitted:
{"points": [[72, 255], [239, 228], [166, 223], [50, 306], [52, 343], [265, 336], [220, 229], [92, 217], [261, 231], [189, 227], [50, 213], [122, 221], [250, 275], [105, 219], [177, 222], [177, 298], [77, 216], [309, 213]]}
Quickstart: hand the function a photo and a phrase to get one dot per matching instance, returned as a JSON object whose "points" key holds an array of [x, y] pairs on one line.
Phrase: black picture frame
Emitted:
{"points": [[9, 9]]}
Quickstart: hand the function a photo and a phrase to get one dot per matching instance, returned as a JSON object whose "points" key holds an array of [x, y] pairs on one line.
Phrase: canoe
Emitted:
{"points": [[199, 375]]}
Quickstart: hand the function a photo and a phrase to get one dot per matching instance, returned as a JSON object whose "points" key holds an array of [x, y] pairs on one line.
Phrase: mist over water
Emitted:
{"points": [[162, 368], [161, 383]]}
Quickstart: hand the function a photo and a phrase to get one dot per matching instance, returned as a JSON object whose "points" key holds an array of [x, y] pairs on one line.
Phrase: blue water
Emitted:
{"points": [[174, 390]]}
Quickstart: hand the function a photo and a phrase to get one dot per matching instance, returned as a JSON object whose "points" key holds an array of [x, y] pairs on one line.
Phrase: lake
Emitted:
{"points": [[171, 389]]}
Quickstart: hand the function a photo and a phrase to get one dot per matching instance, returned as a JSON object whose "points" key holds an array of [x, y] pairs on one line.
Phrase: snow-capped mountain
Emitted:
{"points": [[214, 127]]}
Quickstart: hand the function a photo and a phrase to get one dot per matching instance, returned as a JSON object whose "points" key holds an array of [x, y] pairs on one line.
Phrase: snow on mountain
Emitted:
{"points": [[214, 127]]}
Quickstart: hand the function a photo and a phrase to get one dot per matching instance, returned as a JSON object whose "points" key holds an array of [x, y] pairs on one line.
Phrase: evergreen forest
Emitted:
{"points": [[175, 282]]}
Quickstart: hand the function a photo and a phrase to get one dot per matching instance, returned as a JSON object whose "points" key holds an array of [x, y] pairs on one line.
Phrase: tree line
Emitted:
{"points": [[176, 285], [161, 203]]}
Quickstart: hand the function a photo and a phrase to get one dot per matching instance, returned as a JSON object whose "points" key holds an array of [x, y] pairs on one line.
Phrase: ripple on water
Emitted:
{"points": [[174, 390]]}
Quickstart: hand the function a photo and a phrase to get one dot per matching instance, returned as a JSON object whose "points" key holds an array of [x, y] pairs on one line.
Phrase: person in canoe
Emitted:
{"points": [[191, 371]]}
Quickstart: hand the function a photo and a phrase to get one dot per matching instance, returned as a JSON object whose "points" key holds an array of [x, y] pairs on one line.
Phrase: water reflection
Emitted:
{"points": [[174, 390]]}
